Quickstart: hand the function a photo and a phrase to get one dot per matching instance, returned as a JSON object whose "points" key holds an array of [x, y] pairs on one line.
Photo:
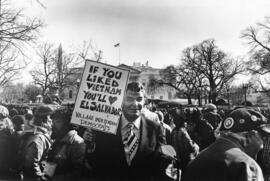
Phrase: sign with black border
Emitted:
{"points": [[100, 97]]}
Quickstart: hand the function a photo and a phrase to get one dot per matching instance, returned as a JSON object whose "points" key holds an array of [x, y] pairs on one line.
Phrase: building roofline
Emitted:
{"points": [[129, 67]]}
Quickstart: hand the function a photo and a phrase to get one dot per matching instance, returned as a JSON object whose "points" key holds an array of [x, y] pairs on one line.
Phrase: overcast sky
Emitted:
{"points": [[153, 30]]}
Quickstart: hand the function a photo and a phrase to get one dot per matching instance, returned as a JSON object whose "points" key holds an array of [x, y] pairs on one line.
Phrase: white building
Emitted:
{"points": [[143, 73], [138, 72]]}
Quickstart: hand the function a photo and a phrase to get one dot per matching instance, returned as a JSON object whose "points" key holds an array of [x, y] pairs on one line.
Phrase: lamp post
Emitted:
{"points": [[228, 97], [118, 45], [245, 87]]}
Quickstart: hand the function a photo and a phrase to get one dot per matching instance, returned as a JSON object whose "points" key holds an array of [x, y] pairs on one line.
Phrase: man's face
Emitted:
{"points": [[58, 125], [132, 105], [255, 143], [48, 120], [19, 127]]}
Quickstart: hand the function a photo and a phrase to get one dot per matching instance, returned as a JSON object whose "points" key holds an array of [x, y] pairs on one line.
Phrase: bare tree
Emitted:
{"points": [[201, 66], [16, 32], [58, 69], [258, 40], [31, 91], [258, 37], [13, 93], [86, 49], [41, 3], [179, 78], [9, 66], [44, 74], [217, 67], [194, 81]]}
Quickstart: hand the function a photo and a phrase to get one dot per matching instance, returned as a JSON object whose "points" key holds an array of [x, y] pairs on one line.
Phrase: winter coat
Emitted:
{"points": [[185, 148], [6, 153], [204, 134], [213, 118], [68, 155], [109, 160], [34, 152], [223, 160]]}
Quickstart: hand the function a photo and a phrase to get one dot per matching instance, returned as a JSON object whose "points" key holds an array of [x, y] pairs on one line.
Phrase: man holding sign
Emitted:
{"points": [[133, 152], [100, 96]]}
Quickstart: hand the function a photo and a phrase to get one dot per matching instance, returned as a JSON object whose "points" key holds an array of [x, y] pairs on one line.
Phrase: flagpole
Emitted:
{"points": [[118, 45], [119, 54]]}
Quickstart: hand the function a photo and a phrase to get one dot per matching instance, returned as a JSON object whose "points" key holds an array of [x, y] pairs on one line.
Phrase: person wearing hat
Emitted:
{"points": [[211, 115], [232, 156], [18, 123], [68, 148], [36, 144]]}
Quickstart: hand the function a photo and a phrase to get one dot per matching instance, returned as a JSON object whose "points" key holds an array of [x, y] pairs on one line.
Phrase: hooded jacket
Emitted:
{"points": [[68, 153], [34, 152]]}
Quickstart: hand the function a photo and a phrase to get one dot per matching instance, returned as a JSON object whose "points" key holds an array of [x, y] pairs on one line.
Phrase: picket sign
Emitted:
{"points": [[100, 97]]}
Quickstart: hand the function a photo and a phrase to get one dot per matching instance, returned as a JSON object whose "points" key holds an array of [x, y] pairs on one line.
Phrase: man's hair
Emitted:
{"points": [[135, 87], [29, 116], [18, 120], [40, 115], [63, 114], [43, 110]]}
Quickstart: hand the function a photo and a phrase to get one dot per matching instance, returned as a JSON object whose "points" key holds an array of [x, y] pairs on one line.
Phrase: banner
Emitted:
{"points": [[100, 96]]}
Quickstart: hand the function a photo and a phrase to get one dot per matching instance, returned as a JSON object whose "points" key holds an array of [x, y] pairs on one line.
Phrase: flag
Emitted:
{"points": [[117, 45]]}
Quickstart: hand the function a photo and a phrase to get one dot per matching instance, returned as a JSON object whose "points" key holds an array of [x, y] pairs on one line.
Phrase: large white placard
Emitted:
{"points": [[100, 96]]}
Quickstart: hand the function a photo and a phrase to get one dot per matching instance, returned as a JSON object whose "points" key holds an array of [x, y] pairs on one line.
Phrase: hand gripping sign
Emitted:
{"points": [[100, 96]]}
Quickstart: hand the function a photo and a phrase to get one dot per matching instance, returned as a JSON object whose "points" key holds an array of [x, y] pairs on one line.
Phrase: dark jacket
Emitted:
{"points": [[223, 160], [35, 151], [185, 148], [7, 153], [109, 161], [263, 158], [204, 134], [68, 154], [213, 118]]}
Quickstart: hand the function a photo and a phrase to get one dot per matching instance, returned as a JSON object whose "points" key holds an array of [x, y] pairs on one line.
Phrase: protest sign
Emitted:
{"points": [[100, 96]]}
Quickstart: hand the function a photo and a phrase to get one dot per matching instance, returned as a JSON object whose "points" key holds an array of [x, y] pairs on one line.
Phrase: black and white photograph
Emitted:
{"points": [[145, 90]]}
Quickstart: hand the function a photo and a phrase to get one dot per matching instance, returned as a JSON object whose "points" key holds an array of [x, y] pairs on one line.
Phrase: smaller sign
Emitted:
{"points": [[100, 96]]}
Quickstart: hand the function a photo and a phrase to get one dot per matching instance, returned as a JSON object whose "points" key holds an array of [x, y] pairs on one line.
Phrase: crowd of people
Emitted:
{"points": [[42, 144]]}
